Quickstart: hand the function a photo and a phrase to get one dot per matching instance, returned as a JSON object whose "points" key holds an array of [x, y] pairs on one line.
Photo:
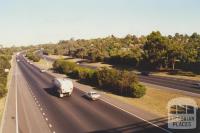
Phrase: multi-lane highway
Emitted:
{"points": [[38, 109], [173, 83]]}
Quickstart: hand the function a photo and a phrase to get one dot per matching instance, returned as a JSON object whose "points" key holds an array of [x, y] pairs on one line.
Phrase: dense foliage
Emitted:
{"points": [[33, 56], [119, 82], [5, 57], [151, 52]]}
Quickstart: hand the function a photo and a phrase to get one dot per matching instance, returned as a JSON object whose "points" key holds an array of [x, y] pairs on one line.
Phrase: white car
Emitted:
{"points": [[31, 63], [93, 95], [42, 70]]}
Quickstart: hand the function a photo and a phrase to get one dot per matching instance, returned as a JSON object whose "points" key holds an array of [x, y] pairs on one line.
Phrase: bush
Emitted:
{"points": [[107, 77], [138, 90], [3, 90], [4, 64], [84, 74], [120, 82], [63, 66], [33, 57]]}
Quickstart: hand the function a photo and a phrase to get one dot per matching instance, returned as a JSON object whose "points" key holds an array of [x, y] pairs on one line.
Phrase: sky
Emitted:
{"points": [[25, 22]]}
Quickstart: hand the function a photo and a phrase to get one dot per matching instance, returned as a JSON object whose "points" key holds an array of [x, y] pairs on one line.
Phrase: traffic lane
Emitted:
{"points": [[170, 80], [30, 118], [165, 83], [94, 115]]}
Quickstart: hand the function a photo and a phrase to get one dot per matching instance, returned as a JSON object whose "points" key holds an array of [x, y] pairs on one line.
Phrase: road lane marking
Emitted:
{"points": [[50, 125], [28, 84], [137, 117]]}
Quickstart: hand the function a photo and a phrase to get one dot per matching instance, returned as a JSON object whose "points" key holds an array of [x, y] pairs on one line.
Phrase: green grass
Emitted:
{"points": [[155, 100]]}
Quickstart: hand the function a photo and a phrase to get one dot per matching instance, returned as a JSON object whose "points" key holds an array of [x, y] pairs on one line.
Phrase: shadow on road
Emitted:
{"points": [[52, 91], [144, 127], [140, 127]]}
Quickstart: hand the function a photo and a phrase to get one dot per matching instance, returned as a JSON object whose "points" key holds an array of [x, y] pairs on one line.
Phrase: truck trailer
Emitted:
{"points": [[64, 87]]}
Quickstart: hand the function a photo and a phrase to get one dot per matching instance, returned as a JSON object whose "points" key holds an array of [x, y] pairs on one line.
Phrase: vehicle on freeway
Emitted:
{"points": [[18, 60], [145, 73], [92, 95], [43, 70], [31, 63], [64, 87]]}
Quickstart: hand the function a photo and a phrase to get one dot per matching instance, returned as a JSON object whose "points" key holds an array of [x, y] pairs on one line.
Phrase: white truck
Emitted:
{"points": [[63, 86]]}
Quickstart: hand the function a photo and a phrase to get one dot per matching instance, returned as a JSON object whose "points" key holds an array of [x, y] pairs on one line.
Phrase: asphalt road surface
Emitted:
{"points": [[40, 110]]}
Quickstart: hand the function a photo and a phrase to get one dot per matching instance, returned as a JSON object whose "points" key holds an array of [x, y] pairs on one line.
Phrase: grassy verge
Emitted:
{"points": [[2, 105], [155, 100], [44, 64], [197, 77]]}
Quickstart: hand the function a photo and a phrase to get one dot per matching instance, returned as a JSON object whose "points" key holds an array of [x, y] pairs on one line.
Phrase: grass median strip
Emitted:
{"points": [[155, 100]]}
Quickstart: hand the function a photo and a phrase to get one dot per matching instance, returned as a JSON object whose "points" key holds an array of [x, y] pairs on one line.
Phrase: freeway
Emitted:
{"points": [[174, 83], [40, 110]]}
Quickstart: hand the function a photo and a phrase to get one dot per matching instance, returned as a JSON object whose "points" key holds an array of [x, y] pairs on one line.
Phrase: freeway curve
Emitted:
{"points": [[70, 114], [174, 83]]}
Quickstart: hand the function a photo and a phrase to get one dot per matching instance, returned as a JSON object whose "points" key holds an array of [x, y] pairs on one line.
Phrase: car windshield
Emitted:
{"points": [[93, 93]]}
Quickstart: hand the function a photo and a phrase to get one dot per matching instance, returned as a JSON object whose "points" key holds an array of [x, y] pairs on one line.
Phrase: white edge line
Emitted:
{"points": [[16, 88], [136, 116]]}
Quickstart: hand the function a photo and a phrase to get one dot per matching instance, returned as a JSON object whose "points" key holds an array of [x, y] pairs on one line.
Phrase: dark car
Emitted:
{"points": [[145, 73]]}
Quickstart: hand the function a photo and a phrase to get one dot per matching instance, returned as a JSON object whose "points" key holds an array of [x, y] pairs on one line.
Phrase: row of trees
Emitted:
{"points": [[112, 80], [5, 57], [152, 52]]}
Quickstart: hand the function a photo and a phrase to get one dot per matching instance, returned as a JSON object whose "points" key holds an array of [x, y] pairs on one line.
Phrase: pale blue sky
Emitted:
{"points": [[24, 22]]}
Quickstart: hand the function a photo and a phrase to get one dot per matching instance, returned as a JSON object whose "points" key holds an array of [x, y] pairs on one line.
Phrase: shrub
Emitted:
{"points": [[120, 82], [84, 74], [33, 57], [63, 66], [125, 80], [107, 77], [3, 90], [138, 90]]}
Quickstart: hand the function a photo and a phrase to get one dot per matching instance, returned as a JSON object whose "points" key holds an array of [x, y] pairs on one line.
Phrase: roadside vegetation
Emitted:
{"points": [[118, 82], [32, 56], [177, 55], [5, 57]]}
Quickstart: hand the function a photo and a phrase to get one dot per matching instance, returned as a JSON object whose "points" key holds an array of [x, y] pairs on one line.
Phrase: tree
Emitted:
{"points": [[155, 50]]}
